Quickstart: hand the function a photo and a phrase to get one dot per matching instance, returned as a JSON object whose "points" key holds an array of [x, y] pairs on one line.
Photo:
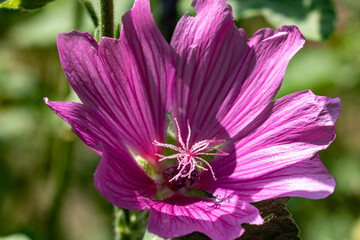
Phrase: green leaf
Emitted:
{"points": [[151, 236], [278, 223], [315, 18], [24, 4], [17, 236]]}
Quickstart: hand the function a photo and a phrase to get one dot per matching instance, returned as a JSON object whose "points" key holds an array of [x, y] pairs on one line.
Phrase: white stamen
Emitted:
{"points": [[190, 155]]}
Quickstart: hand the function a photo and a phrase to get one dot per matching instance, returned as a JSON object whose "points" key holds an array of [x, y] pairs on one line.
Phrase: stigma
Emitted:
{"points": [[189, 160]]}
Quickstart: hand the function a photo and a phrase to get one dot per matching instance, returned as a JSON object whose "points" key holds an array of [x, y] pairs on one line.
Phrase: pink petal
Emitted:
{"points": [[224, 80], [128, 80], [220, 220], [278, 147], [118, 177], [142, 62], [122, 182], [213, 58], [273, 51], [84, 122], [84, 69], [307, 179]]}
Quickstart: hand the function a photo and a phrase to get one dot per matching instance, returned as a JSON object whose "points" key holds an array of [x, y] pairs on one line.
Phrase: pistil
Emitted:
{"points": [[188, 157]]}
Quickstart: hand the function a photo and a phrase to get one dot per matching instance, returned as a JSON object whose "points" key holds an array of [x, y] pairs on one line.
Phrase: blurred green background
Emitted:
{"points": [[46, 172]]}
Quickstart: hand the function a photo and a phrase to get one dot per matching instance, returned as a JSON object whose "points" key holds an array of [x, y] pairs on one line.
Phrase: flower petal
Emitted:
{"points": [[128, 80], [273, 51], [212, 59], [118, 177], [224, 80], [142, 62], [307, 179], [84, 122], [220, 220], [122, 182], [289, 133], [84, 69]]}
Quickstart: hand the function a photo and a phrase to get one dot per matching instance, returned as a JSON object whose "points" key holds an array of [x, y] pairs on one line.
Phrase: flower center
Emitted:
{"points": [[188, 158]]}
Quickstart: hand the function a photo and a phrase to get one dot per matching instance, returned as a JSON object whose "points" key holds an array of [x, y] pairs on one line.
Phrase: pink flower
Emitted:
{"points": [[234, 145]]}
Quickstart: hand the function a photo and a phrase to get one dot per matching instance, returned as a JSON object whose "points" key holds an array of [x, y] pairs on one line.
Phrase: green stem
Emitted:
{"points": [[106, 18], [117, 215], [129, 224], [78, 15], [62, 167]]}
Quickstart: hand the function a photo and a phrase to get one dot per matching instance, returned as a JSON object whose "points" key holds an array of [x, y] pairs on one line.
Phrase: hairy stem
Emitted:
{"points": [[107, 18]]}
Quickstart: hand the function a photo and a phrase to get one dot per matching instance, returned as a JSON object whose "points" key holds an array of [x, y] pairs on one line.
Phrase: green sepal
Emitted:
{"points": [[97, 34], [90, 10], [195, 192], [117, 31]]}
